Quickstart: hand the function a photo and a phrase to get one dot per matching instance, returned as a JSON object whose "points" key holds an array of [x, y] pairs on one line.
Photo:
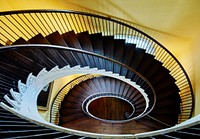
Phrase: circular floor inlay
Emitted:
{"points": [[110, 108]]}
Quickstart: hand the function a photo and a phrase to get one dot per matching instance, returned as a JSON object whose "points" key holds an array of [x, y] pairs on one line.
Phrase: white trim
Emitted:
{"points": [[193, 121], [31, 90]]}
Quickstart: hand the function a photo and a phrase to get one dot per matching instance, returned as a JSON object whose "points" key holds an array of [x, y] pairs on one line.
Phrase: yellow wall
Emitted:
{"points": [[33, 4], [196, 58]]}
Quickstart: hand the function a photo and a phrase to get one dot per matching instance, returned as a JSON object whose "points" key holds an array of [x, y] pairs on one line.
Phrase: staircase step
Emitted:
{"points": [[92, 85], [169, 119], [146, 61], [167, 102], [137, 59], [137, 97], [135, 94], [13, 71], [20, 41], [164, 111], [71, 40], [118, 54], [70, 58], [56, 39], [159, 75], [85, 41], [39, 56], [65, 112], [98, 48], [117, 86], [72, 99], [38, 39], [119, 50], [113, 85], [168, 91], [8, 79], [102, 84], [97, 84], [155, 125], [50, 53], [86, 44], [152, 68], [130, 92], [76, 94], [97, 43], [21, 61], [108, 44], [126, 89], [83, 91], [72, 105], [70, 118], [86, 88], [108, 84], [164, 83], [129, 51], [55, 56]]}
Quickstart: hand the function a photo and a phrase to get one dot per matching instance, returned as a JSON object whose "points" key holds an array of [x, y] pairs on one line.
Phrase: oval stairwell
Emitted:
{"points": [[128, 71]]}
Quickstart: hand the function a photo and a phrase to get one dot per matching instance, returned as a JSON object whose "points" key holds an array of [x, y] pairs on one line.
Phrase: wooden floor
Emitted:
{"points": [[110, 108], [89, 124]]}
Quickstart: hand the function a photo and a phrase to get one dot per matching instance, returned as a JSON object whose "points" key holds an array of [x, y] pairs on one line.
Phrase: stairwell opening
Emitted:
{"points": [[110, 108]]}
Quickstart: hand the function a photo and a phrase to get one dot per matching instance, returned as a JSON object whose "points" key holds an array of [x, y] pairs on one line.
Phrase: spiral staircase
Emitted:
{"points": [[130, 85]]}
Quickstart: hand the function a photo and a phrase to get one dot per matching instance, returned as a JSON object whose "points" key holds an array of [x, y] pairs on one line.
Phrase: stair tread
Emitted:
{"points": [[38, 39], [161, 73], [97, 84], [67, 111], [22, 61], [13, 71], [169, 119], [138, 56], [152, 123], [164, 83], [20, 41], [153, 68], [69, 118], [71, 39], [85, 42], [56, 39], [146, 61], [129, 51], [97, 43]]}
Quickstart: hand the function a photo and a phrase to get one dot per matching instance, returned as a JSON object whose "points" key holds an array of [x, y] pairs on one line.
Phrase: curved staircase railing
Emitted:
{"points": [[148, 95], [26, 24], [181, 130]]}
